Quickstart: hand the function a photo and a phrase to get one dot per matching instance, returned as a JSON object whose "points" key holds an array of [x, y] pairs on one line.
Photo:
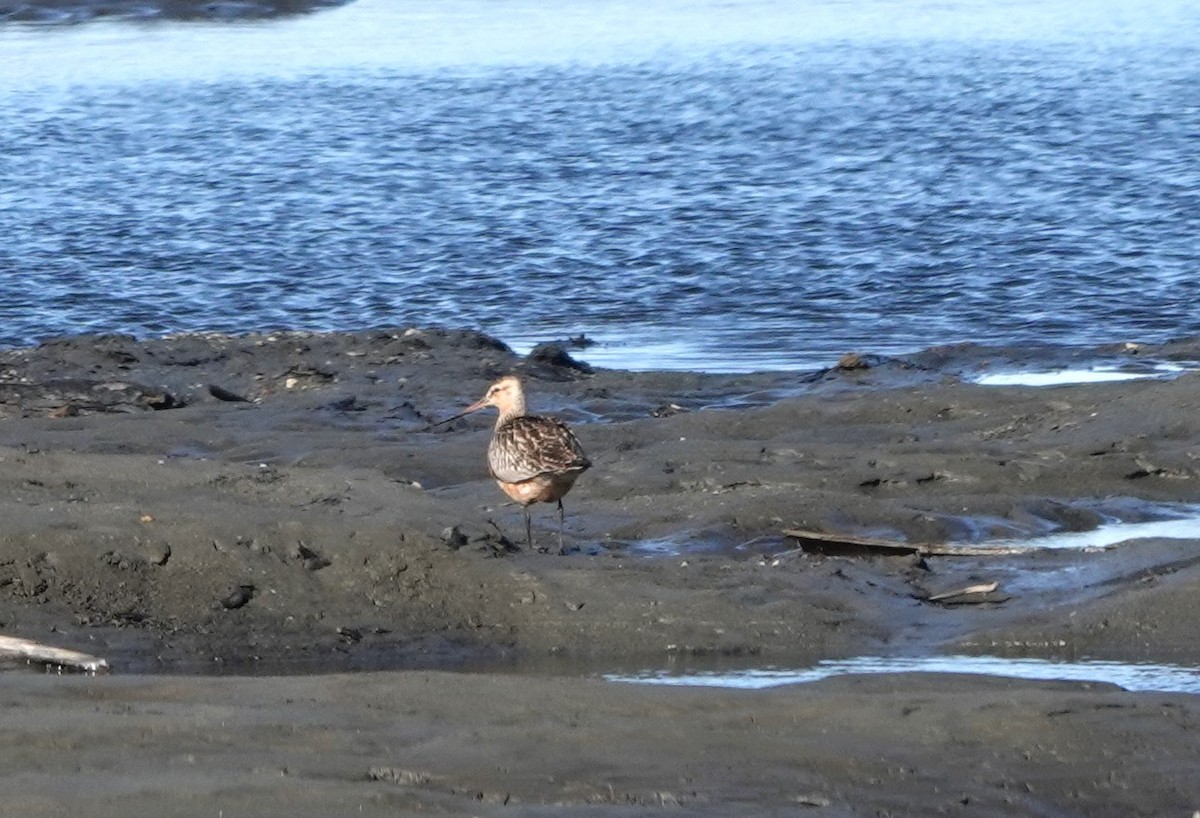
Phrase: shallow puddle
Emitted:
{"points": [[1183, 528], [663, 547], [1162, 678], [685, 545], [1120, 519], [1095, 374], [1057, 525]]}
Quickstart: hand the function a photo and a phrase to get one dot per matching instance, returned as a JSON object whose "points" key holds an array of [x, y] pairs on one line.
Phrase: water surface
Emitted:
{"points": [[1141, 677], [723, 184]]}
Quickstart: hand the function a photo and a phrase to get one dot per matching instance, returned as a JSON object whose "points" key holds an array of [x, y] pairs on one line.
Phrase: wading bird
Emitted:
{"points": [[534, 459]]}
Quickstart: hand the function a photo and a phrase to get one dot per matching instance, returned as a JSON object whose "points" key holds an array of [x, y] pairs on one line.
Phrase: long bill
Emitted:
{"points": [[474, 407]]}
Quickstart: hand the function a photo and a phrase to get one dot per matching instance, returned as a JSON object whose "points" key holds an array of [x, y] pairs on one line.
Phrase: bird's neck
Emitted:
{"points": [[515, 409]]}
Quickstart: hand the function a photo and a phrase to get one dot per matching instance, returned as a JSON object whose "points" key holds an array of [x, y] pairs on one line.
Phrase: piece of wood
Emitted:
{"points": [[982, 588], [822, 541], [32, 651]]}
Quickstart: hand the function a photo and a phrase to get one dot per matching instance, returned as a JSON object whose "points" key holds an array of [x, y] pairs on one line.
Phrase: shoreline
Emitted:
{"points": [[74, 12], [147, 481]]}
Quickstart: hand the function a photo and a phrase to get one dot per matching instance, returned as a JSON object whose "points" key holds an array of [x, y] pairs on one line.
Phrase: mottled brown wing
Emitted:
{"points": [[524, 447]]}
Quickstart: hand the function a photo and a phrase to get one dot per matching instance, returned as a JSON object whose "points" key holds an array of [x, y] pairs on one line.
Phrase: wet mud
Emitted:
{"points": [[277, 507]]}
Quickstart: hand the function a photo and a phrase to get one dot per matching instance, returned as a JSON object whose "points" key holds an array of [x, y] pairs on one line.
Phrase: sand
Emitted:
{"points": [[315, 605]]}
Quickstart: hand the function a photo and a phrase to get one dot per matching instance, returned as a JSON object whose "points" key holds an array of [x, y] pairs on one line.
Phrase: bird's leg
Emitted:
{"points": [[528, 529], [561, 550]]}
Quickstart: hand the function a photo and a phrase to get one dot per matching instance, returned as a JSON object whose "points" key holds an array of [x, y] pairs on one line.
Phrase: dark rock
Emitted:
{"points": [[852, 360], [555, 355], [238, 597], [454, 538], [349, 403], [667, 409], [221, 393], [312, 560]]}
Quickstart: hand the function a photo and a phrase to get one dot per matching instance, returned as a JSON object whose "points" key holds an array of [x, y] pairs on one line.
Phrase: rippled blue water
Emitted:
{"points": [[721, 184]]}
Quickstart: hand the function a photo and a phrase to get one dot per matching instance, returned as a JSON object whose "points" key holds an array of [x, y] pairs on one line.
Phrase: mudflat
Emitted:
{"points": [[316, 604]]}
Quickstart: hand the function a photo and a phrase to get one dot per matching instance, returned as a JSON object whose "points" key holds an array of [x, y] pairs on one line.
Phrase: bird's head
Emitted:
{"points": [[505, 394]]}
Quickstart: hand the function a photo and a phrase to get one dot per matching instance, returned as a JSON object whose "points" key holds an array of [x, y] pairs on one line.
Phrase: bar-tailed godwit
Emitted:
{"points": [[533, 458]]}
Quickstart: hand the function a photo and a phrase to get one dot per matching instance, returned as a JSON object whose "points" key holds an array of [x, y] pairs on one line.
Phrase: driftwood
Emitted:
{"points": [[36, 652], [983, 593], [842, 543], [982, 588]]}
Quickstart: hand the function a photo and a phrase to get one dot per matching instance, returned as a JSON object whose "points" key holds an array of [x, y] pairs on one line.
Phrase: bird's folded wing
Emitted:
{"points": [[528, 446]]}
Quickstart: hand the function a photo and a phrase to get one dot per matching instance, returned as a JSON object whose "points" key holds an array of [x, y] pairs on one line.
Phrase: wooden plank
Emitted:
{"points": [[823, 541], [32, 651]]}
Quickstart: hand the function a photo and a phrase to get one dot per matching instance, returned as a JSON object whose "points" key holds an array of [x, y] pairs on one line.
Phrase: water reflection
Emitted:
{"points": [[1165, 678], [1097, 374], [1184, 528]]}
